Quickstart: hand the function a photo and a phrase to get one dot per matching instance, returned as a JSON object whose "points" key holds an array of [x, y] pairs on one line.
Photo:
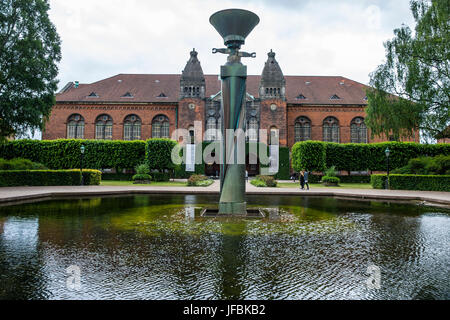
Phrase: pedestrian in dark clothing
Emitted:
{"points": [[302, 181], [306, 177]]}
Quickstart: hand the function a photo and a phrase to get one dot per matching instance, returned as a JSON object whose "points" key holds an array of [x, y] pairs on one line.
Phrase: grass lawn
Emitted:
{"points": [[318, 185], [153, 184]]}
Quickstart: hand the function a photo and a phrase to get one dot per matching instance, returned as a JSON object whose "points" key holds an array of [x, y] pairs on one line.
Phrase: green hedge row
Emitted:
{"points": [[18, 178], [284, 172], [317, 155], [411, 182], [65, 154]]}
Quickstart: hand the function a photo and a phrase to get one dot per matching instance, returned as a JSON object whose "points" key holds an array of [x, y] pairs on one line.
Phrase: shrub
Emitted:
{"points": [[331, 172], [141, 177], [16, 178], [438, 165], [268, 181], [309, 155], [142, 169], [258, 183], [160, 176], [20, 164], [195, 179], [412, 182], [331, 180], [284, 165]]}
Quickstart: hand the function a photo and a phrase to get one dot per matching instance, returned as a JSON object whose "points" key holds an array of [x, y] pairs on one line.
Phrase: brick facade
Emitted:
{"points": [[192, 96]]}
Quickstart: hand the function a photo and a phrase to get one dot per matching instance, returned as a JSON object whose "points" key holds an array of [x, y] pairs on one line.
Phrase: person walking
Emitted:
{"points": [[306, 178], [302, 180]]}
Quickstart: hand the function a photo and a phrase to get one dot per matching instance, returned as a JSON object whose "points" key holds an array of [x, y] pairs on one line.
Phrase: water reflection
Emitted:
{"points": [[157, 247]]}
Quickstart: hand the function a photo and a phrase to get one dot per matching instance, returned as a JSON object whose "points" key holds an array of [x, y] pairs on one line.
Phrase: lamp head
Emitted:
{"points": [[234, 25], [82, 148], [388, 152]]}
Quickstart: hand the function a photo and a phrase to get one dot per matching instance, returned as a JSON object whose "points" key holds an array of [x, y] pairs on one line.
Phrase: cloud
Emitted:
{"points": [[102, 38]]}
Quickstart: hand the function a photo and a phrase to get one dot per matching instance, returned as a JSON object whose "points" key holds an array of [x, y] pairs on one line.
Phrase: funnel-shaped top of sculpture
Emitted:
{"points": [[234, 25]]}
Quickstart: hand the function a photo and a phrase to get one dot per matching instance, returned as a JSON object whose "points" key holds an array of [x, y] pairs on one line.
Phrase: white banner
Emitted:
{"points": [[274, 159], [190, 158]]}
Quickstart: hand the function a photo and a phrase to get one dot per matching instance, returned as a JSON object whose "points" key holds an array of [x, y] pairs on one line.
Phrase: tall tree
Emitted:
{"points": [[30, 49], [411, 90]]}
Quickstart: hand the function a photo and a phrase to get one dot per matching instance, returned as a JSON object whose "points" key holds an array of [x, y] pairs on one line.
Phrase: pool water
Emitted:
{"points": [[158, 247]]}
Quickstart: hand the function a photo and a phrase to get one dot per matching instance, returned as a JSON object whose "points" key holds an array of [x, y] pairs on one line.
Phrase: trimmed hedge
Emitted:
{"points": [[412, 182], [18, 178], [284, 172], [316, 155], [309, 155], [158, 154], [65, 154]]}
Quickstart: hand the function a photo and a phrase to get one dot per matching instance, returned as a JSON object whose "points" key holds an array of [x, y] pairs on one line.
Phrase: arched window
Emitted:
{"points": [[331, 130], [160, 127], [211, 129], [103, 127], [75, 127], [302, 129], [274, 136], [253, 127], [132, 128], [358, 130]]}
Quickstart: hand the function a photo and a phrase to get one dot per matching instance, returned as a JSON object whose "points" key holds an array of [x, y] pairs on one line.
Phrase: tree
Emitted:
{"points": [[411, 90], [30, 49]]}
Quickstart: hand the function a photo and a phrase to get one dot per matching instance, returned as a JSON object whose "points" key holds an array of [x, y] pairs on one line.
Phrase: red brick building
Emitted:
{"points": [[142, 106]]}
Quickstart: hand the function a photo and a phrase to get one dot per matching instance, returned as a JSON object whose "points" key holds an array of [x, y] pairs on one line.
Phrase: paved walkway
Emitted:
{"points": [[19, 194]]}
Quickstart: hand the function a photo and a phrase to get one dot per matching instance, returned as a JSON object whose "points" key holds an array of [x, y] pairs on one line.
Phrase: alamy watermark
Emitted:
{"points": [[374, 280], [73, 282], [234, 152]]}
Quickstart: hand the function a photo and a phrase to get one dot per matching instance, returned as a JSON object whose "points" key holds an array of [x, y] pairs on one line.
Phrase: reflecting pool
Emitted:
{"points": [[158, 247]]}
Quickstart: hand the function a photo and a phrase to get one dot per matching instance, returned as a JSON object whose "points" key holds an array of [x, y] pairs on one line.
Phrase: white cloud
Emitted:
{"points": [[102, 38]]}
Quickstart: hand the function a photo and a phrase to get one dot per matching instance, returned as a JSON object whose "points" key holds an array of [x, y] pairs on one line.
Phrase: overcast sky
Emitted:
{"points": [[102, 38]]}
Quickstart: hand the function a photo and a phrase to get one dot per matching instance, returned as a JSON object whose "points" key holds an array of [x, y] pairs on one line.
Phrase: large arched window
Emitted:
{"points": [[302, 129], [358, 130], [253, 127], [160, 127], [211, 129], [132, 128], [331, 130], [75, 127], [274, 136], [103, 127]]}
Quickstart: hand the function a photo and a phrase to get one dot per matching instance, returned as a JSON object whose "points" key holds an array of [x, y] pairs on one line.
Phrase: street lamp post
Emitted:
{"points": [[388, 153], [82, 149]]}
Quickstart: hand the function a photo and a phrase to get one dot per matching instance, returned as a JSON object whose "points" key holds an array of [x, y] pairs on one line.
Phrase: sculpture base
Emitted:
{"points": [[233, 208]]}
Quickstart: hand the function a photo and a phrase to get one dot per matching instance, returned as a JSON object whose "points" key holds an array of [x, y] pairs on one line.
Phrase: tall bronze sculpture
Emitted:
{"points": [[234, 25]]}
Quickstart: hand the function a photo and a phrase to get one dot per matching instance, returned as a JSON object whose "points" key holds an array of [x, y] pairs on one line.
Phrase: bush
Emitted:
{"points": [[142, 177], [258, 183], [412, 182], [142, 169], [195, 179], [327, 180], [65, 154], [284, 165], [20, 164], [439, 165], [331, 172], [309, 155], [117, 176], [268, 180], [160, 176], [16, 178]]}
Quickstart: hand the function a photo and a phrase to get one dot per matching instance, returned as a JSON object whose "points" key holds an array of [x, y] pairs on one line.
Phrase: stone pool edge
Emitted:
{"points": [[31, 194]]}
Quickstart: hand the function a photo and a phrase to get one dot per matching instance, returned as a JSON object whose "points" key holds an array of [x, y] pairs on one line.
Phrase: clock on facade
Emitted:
{"points": [[191, 106], [273, 107]]}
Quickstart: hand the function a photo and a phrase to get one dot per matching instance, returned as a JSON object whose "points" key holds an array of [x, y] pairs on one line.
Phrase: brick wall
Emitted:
{"points": [[56, 127]]}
